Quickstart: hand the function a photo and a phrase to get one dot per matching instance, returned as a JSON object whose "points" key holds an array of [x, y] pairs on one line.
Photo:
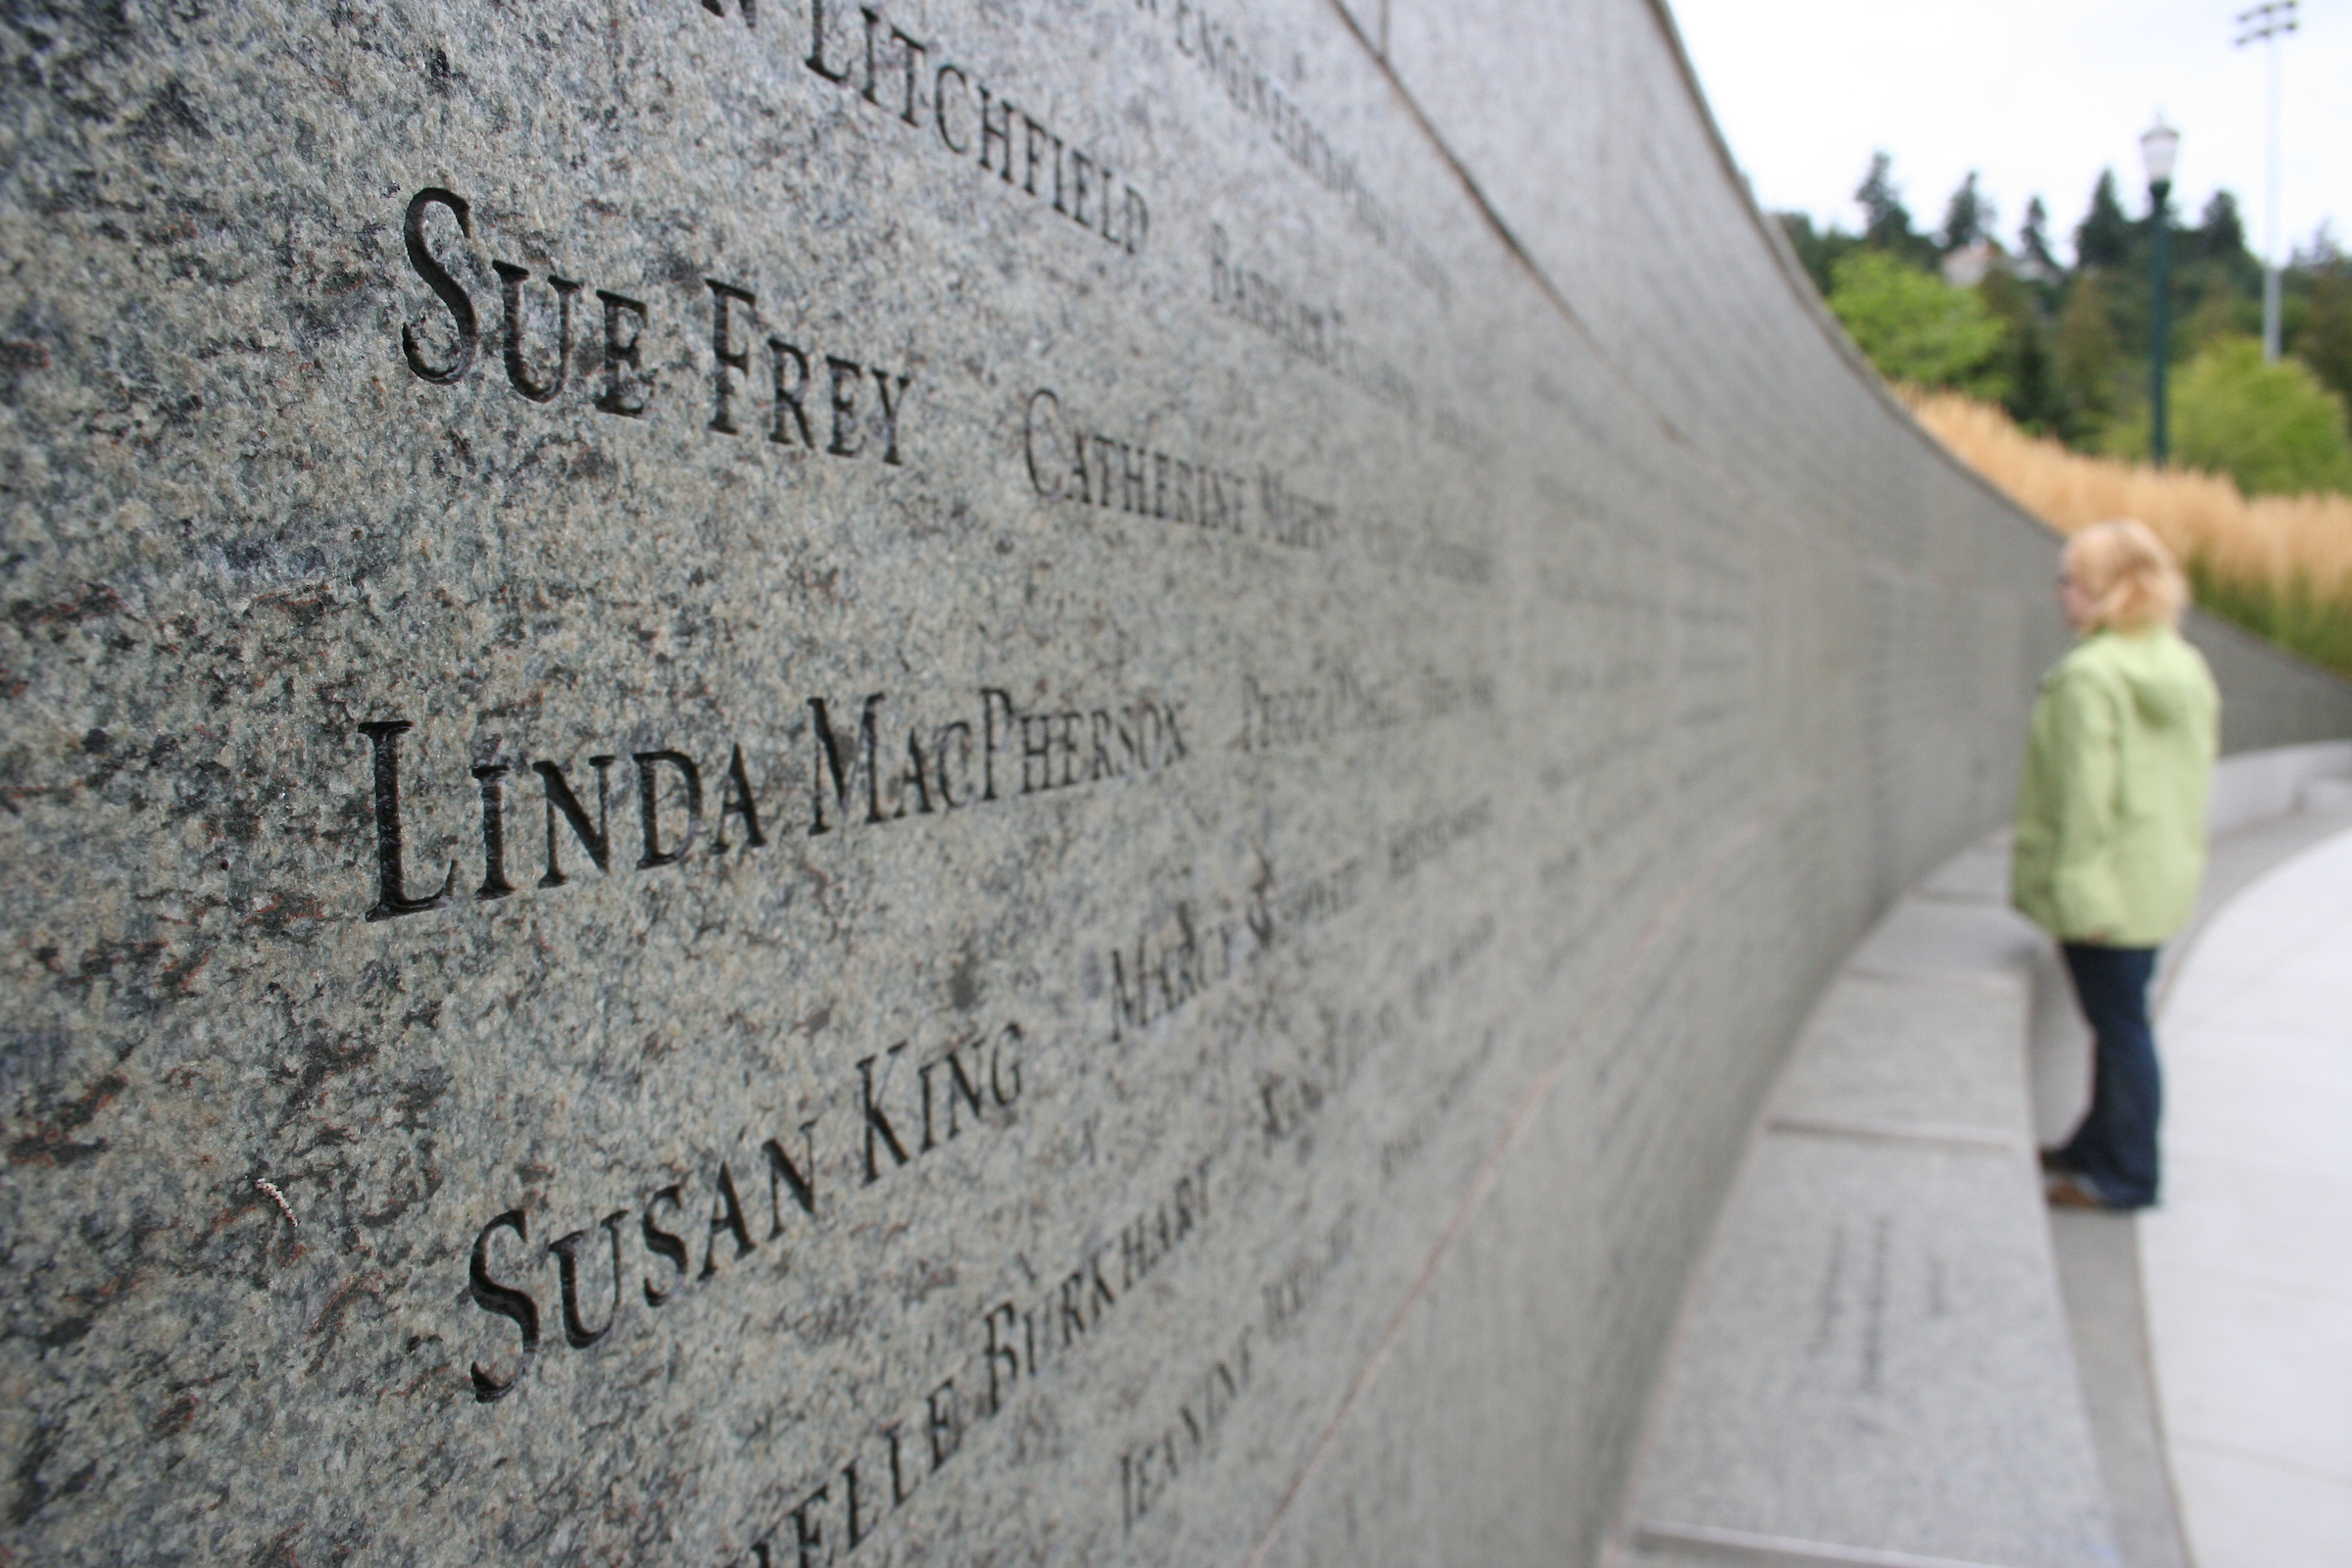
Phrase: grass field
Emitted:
{"points": [[2277, 564]]}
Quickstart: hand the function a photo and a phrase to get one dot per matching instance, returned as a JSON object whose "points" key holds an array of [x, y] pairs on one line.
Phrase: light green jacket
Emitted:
{"points": [[2111, 812]]}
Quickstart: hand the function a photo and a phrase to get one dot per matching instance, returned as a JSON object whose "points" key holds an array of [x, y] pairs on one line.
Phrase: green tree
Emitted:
{"points": [[2323, 334], [2273, 428], [1886, 221], [1817, 249], [1916, 327], [2025, 362], [2034, 241], [2206, 312], [2222, 235], [2089, 358], [1968, 218], [2104, 236]]}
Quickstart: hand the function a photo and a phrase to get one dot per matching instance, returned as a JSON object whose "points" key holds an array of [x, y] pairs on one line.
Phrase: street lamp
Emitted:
{"points": [[2157, 149], [2267, 23]]}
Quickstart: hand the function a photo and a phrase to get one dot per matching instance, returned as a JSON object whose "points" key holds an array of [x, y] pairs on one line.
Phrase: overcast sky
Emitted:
{"points": [[2038, 95]]}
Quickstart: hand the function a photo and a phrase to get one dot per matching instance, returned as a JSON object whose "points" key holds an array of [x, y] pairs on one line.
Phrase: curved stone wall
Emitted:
{"points": [[945, 783]]}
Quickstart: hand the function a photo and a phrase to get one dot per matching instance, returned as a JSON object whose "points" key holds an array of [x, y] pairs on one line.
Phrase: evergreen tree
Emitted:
{"points": [[2089, 359], [2033, 397], [2034, 240], [2323, 338], [1968, 218], [2104, 236], [2208, 310], [1817, 250], [1886, 222], [2222, 235]]}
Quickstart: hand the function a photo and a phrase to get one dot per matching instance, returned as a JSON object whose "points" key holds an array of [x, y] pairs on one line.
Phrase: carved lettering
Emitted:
{"points": [[912, 53], [738, 800], [1148, 1468], [519, 374], [939, 107], [855, 427], [789, 393], [664, 1244], [446, 288], [1068, 463], [576, 1332], [1302, 1278], [392, 898], [1053, 750], [979, 1078], [1336, 700], [998, 753], [628, 387], [1169, 965], [491, 777], [817, 45], [998, 130], [648, 805], [594, 836], [724, 355], [1200, 39], [1008, 1352], [877, 1124], [945, 1421], [845, 767], [783, 1174], [1054, 170], [503, 1300], [846, 381], [1315, 332], [1414, 846], [1075, 1307], [808, 1531], [726, 1218], [889, 399]]}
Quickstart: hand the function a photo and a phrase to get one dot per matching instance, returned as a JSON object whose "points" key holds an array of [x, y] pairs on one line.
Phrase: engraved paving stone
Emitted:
{"points": [[950, 782]]}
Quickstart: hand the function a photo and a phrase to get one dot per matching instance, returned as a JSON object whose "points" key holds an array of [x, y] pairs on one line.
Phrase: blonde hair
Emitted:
{"points": [[2131, 580]]}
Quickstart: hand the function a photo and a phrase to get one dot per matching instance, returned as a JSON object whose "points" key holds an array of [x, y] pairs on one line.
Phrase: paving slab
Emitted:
{"points": [[2246, 1511], [2248, 1263], [1936, 1050], [2098, 1273], [1887, 1368], [1874, 1365]]}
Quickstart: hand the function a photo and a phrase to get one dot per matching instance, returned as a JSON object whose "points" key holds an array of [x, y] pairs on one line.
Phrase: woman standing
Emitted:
{"points": [[2110, 838]]}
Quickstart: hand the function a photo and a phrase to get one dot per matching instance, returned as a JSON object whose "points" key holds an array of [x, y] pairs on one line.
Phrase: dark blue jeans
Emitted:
{"points": [[2115, 1149]]}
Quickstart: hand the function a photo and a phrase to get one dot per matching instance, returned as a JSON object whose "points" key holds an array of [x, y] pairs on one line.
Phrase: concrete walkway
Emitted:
{"points": [[2247, 1267], [1893, 1353]]}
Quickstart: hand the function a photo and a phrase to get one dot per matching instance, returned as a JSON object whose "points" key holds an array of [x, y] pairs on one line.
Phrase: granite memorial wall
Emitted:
{"points": [[797, 783]]}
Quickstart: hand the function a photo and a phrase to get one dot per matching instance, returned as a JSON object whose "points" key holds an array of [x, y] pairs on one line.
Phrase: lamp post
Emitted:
{"points": [[2267, 23], [2157, 149]]}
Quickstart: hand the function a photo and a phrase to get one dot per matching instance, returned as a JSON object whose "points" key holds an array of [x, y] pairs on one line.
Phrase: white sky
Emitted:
{"points": [[2036, 95]]}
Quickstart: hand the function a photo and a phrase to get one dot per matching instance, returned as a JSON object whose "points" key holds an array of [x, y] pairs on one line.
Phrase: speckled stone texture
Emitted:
{"points": [[970, 783]]}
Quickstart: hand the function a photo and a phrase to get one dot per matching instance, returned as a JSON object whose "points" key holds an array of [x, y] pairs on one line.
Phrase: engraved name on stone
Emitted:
{"points": [[998, 752], [902, 1114], [843, 415], [915, 82]]}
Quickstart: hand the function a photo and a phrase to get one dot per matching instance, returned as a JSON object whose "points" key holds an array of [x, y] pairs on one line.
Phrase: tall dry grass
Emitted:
{"points": [[2281, 566]]}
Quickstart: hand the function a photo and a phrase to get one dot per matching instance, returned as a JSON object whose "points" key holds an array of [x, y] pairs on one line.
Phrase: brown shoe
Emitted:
{"points": [[2068, 1192], [2051, 1163]]}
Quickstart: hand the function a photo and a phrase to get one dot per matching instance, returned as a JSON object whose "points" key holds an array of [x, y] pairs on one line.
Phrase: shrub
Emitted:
{"points": [[2273, 428], [1916, 327]]}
